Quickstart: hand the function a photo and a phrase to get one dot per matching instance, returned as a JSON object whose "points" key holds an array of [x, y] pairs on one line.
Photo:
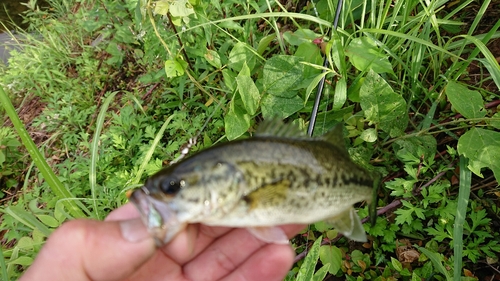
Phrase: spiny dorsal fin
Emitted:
{"points": [[275, 127], [336, 137]]}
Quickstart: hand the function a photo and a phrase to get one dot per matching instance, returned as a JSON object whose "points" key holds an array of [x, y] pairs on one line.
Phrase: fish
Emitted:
{"points": [[278, 176]]}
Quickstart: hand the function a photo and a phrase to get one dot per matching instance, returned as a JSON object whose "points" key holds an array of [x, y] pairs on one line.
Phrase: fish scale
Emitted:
{"points": [[258, 183]]}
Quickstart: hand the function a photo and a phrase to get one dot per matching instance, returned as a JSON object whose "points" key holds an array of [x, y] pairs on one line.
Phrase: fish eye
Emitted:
{"points": [[172, 186]]}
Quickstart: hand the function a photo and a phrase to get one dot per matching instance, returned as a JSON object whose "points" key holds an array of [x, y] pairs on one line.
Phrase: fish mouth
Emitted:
{"points": [[158, 217]]}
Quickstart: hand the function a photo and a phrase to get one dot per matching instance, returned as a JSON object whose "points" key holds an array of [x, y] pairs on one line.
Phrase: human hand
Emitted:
{"points": [[121, 249]]}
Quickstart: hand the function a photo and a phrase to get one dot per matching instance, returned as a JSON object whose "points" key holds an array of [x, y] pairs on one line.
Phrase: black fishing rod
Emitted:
{"points": [[319, 92]]}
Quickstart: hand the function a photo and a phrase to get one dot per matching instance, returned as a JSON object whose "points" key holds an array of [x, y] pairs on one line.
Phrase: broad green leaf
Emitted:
{"points": [[382, 106], [229, 79], [321, 273], [365, 55], [232, 25], [397, 264], [264, 43], [495, 123], [213, 58], [482, 147], [332, 256], [236, 121], [417, 146], [25, 243], [249, 93], [307, 269], [313, 84], [282, 74], [162, 7], [48, 220], [24, 261], [466, 102], [308, 52], [175, 67], [300, 36], [181, 8], [240, 54], [369, 135], [340, 95], [274, 106]]}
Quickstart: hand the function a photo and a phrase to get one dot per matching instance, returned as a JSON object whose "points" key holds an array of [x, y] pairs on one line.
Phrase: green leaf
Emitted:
{"points": [[307, 269], [300, 36], [466, 102], [416, 146], [332, 256], [397, 264], [48, 220], [458, 226], [181, 8], [249, 93], [309, 52], [27, 219], [162, 7], [3, 266], [24, 261], [482, 147], [241, 53], [236, 121], [436, 261], [213, 58], [321, 273], [282, 74], [274, 106], [382, 106], [365, 55], [340, 95], [495, 123], [369, 135], [175, 67]]}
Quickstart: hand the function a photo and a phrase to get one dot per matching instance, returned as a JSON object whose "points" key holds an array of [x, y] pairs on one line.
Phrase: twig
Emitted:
{"points": [[179, 40]]}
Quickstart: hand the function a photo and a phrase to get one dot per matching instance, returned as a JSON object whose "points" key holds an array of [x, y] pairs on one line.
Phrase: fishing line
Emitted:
{"points": [[319, 92]]}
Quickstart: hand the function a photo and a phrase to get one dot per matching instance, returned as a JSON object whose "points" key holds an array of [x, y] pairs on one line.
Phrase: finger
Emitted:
{"points": [[227, 253], [271, 263], [125, 212], [192, 241], [85, 250]]}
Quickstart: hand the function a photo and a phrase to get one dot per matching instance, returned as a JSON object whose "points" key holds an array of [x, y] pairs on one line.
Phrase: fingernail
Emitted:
{"points": [[134, 230]]}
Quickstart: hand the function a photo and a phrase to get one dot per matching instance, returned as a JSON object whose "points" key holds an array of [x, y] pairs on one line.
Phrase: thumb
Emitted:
{"points": [[85, 250]]}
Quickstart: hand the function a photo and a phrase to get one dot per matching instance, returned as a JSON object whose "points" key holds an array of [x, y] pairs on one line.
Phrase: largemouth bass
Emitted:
{"points": [[279, 176]]}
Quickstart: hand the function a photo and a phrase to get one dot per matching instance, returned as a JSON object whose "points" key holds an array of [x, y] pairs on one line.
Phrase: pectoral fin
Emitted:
{"points": [[348, 223], [271, 234]]}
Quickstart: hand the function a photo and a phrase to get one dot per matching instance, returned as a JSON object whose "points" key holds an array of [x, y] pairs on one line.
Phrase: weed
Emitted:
{"points": [[127, 83]]}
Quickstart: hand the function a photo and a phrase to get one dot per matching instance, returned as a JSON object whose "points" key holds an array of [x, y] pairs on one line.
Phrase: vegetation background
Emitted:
{"points": [[107, 92]]}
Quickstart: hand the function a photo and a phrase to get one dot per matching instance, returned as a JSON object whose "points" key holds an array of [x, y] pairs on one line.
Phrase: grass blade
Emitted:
{"points": [[151, 150], [3, 266], [95, 150], [436, 261], [458, 228], [306, 271], [27, 219], [75, 207]]}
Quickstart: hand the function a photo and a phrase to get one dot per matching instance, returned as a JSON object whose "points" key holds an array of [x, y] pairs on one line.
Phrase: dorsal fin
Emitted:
{"points": [[275, 127], [336, 137]]}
